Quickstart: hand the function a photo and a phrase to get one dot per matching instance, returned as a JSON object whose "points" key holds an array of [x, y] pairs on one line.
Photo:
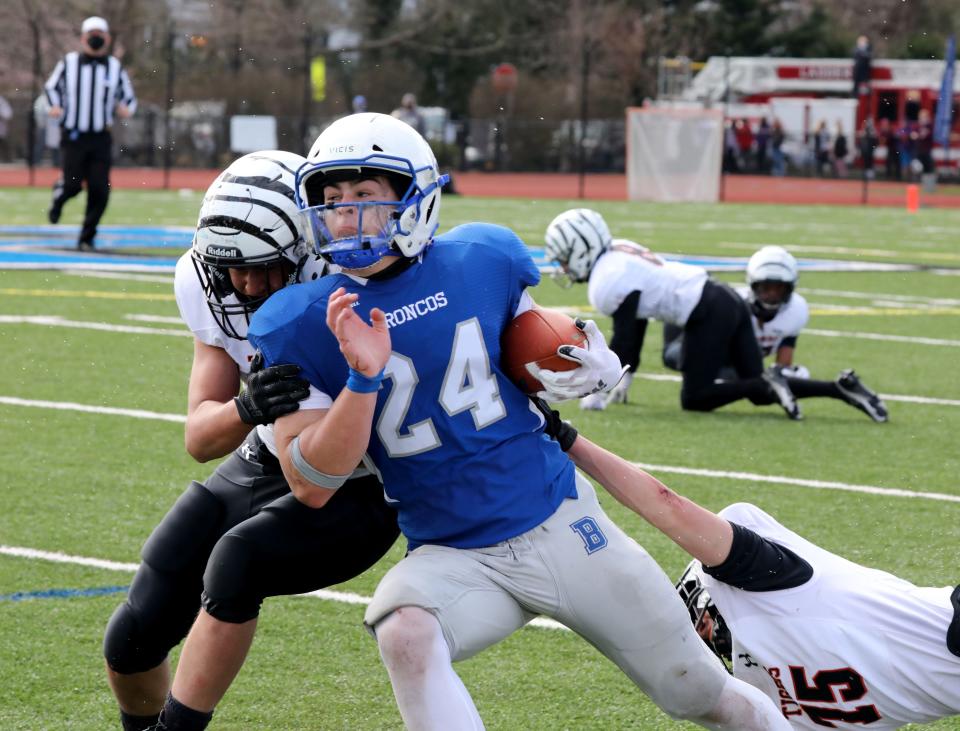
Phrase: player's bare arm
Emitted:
{"points": [[785, 356], [214, 427], [331, 442], [701, 533]]}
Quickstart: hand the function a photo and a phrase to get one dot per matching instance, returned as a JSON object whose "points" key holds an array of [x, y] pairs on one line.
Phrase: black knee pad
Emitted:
{"points": [[230, 581], [128, 647], [187, 532]]}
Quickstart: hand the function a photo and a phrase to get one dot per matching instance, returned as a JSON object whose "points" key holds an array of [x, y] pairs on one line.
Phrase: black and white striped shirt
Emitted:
{"points": [[88, 89]]}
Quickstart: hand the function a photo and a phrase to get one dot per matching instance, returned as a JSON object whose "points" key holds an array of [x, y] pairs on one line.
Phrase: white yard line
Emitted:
{"points": [[880, 296], [344, 597], [880, 336], [66, 406], [154, 318], [57, 321]]}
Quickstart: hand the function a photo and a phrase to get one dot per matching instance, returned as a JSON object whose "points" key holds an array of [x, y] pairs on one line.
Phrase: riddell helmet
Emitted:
{"points": [[248, 218], [575, 240], [699, 604], [770, 264], [361, 146]]}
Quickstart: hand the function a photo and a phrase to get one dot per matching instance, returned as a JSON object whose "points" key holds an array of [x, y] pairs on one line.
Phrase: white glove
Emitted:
{"points": [[599, 369], [795, 371], [618, 394]]}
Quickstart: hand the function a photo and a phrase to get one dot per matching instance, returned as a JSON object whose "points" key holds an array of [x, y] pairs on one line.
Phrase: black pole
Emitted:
{"points": [[307, 86], [584, 109], [34, 83], [723, 125], [167, 148]]}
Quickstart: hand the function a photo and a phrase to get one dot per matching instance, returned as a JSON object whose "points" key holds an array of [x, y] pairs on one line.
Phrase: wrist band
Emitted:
{"points": [[359, 383]]}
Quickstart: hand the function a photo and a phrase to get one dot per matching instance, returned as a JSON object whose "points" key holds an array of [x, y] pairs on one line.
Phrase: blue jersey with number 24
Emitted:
{"points": [[462, 454]]}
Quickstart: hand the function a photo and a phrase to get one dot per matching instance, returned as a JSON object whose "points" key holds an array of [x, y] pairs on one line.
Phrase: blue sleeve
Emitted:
{"points": [[277, 330]]}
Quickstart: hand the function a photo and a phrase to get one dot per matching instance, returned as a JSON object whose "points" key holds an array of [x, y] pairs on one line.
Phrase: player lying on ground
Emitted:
{"points": [[240, 536], [779, 316], [631, 284], [832, 643], [500, 527]]}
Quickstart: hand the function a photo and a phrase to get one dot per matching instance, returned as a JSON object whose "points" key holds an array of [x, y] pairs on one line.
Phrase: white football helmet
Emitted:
{"points": [[771, 264], [699, 604], [363, 146], [575, 240], [248, 218]]}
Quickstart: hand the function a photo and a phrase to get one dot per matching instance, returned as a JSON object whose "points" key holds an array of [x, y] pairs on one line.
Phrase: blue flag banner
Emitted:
{"points": [[941, 126]]}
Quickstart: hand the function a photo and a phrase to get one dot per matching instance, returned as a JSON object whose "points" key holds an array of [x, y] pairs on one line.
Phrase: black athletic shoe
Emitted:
{"points": [[781, 391], [53, 214], [856, 394], [85, 246]]}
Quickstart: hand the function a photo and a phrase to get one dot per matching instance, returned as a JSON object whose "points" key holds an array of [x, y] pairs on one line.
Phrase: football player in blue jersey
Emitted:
{"points": [[501, 527]]}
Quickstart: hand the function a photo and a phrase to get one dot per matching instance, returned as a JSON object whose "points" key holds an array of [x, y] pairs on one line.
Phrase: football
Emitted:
{"points": [[533, 337]]}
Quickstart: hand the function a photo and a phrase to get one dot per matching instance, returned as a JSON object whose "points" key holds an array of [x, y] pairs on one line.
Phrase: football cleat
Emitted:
{"points": [[856, 394], [777, 383], [594, 402]]}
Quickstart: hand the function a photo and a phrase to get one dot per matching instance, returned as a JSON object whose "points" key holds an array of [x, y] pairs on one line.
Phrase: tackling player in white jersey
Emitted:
{"points": [[631, 284], [240, 536], [834, 644]]}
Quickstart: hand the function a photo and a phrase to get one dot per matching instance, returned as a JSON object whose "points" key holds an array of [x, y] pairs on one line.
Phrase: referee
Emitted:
{"points": [[84, 90]]}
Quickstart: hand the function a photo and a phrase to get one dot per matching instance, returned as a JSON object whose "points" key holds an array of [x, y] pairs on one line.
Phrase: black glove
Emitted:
{"points": [[270, 392], [556, 427]]}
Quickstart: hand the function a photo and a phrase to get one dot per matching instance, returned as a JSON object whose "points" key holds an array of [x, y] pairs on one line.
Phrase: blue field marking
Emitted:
{"points": [[53, 247], [21, 596], [739, 263]]}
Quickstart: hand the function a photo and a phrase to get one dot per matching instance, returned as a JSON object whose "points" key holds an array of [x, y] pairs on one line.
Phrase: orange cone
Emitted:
{"points": [[913, 198]]}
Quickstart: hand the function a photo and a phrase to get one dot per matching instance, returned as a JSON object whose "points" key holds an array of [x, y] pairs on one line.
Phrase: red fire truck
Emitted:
{"points": [[804, 91]]}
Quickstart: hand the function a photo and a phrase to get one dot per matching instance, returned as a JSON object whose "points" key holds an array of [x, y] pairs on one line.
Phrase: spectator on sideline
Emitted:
{"points": [[821, 149], [409, 112], [840, 151], [867, 144], [777, 138], [84, 91], [891, 142], [762, 144]]}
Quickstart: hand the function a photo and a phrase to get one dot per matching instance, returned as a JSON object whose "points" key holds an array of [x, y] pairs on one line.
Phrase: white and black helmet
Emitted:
{"points": [[699, 604], [362, 146], [249, 218], [575, 240], [771, 264]]}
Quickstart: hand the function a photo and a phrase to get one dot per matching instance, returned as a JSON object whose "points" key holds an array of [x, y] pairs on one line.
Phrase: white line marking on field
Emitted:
{"points": [[880, 336], [57, 321], [818, 484], [882, 296], [58, 557], [154, 318], [344, 597], [66, 406]]}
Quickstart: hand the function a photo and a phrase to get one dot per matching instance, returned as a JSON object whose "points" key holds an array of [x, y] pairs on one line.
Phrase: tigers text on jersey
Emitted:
{"points": [[461, 452], [787, 323], [668, 290], [852, 648], [195, 313]]}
